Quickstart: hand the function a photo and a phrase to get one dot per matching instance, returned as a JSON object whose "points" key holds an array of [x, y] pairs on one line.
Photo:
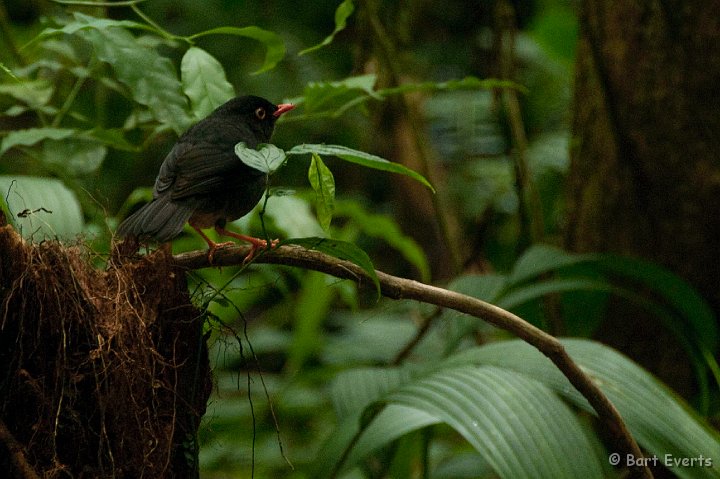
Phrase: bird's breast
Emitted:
{"points": [[229, 204]]}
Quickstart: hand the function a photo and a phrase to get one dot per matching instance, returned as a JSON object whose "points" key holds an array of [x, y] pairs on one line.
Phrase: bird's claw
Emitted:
{"points": [[259, 245], [213, 247]]}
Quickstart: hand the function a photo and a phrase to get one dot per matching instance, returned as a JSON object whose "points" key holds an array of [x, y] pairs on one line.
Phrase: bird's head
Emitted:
{"points": [[257, 113]]}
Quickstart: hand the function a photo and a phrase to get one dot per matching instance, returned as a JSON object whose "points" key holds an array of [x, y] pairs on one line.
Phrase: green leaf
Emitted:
{"points": [[354, 390], [360, 158], [73, 156], [85, 22], [204, 82], [292, 216], [40, 208], [113, 137], [696, 318], [8, 72], [371, 337], [539, 259], [272, 41], [387, 229], [337, 96], [311, 308], [341, 250], [323, 183], [658, 418], [267, 158], [516, 423], [673, 289], [35, 93], [343, 11], [393, 422], [486, 287], [150, 77], [32, 136], [537, 290]]}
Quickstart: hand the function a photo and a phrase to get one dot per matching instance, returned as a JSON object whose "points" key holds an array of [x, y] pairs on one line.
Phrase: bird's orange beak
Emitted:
{"points": [[283, 108]]}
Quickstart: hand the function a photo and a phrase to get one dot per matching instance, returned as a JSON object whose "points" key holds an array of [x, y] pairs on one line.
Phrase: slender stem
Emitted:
{"points": [[154, 24], [419, 335], [69, 100]]}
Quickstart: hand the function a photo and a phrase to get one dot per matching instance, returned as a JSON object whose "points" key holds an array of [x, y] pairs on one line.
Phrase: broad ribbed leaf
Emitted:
{"points": [[204, 82], [40, 208], [517, 424], [393, 422], [355, 389], [659, 419]]}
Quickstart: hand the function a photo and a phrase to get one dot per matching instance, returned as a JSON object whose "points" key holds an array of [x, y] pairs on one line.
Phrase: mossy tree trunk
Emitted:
{"points": [[103, 373], [645, 152]]}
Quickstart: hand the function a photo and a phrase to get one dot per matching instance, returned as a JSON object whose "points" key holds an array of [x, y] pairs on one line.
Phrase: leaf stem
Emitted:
{"points": [[69, 100], [160, 30]]}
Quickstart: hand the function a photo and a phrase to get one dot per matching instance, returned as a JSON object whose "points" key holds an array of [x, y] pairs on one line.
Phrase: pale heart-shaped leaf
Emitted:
{"points": [[267, 158]]}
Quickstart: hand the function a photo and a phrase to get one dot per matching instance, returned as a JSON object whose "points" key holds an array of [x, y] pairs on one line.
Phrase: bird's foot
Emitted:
{"points": [[257, 244], [214, 246]]}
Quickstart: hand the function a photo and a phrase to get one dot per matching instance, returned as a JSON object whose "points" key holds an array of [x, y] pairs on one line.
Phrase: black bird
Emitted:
{"points": [[203, 182]]}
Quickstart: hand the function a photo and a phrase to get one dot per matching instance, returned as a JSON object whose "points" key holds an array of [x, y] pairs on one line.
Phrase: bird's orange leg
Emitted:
{"points": [[256, 243], [212, 246]]}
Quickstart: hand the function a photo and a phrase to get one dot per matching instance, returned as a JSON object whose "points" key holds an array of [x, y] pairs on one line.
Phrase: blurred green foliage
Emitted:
{"points": [[306, 366]]}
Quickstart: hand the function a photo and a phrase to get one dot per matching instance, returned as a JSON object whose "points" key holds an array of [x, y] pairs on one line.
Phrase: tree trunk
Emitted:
{"points": [[645, 153], [102, 373]]}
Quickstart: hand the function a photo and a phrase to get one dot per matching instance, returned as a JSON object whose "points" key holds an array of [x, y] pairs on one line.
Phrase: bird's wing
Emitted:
{"points": [[201, 168]]}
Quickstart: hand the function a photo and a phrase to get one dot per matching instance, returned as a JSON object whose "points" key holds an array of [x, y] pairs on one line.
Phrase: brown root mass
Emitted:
{"points": [[103, 373]]}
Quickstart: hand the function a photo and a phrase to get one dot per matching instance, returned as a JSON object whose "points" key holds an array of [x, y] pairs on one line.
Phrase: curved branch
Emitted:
{"points": [[401, 288]]}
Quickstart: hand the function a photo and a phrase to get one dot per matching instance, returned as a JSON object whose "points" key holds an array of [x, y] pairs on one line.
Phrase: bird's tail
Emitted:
{"points": [[161, 220]]}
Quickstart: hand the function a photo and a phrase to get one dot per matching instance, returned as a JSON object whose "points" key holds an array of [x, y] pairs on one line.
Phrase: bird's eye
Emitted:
{"points": [[260, 113]]}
